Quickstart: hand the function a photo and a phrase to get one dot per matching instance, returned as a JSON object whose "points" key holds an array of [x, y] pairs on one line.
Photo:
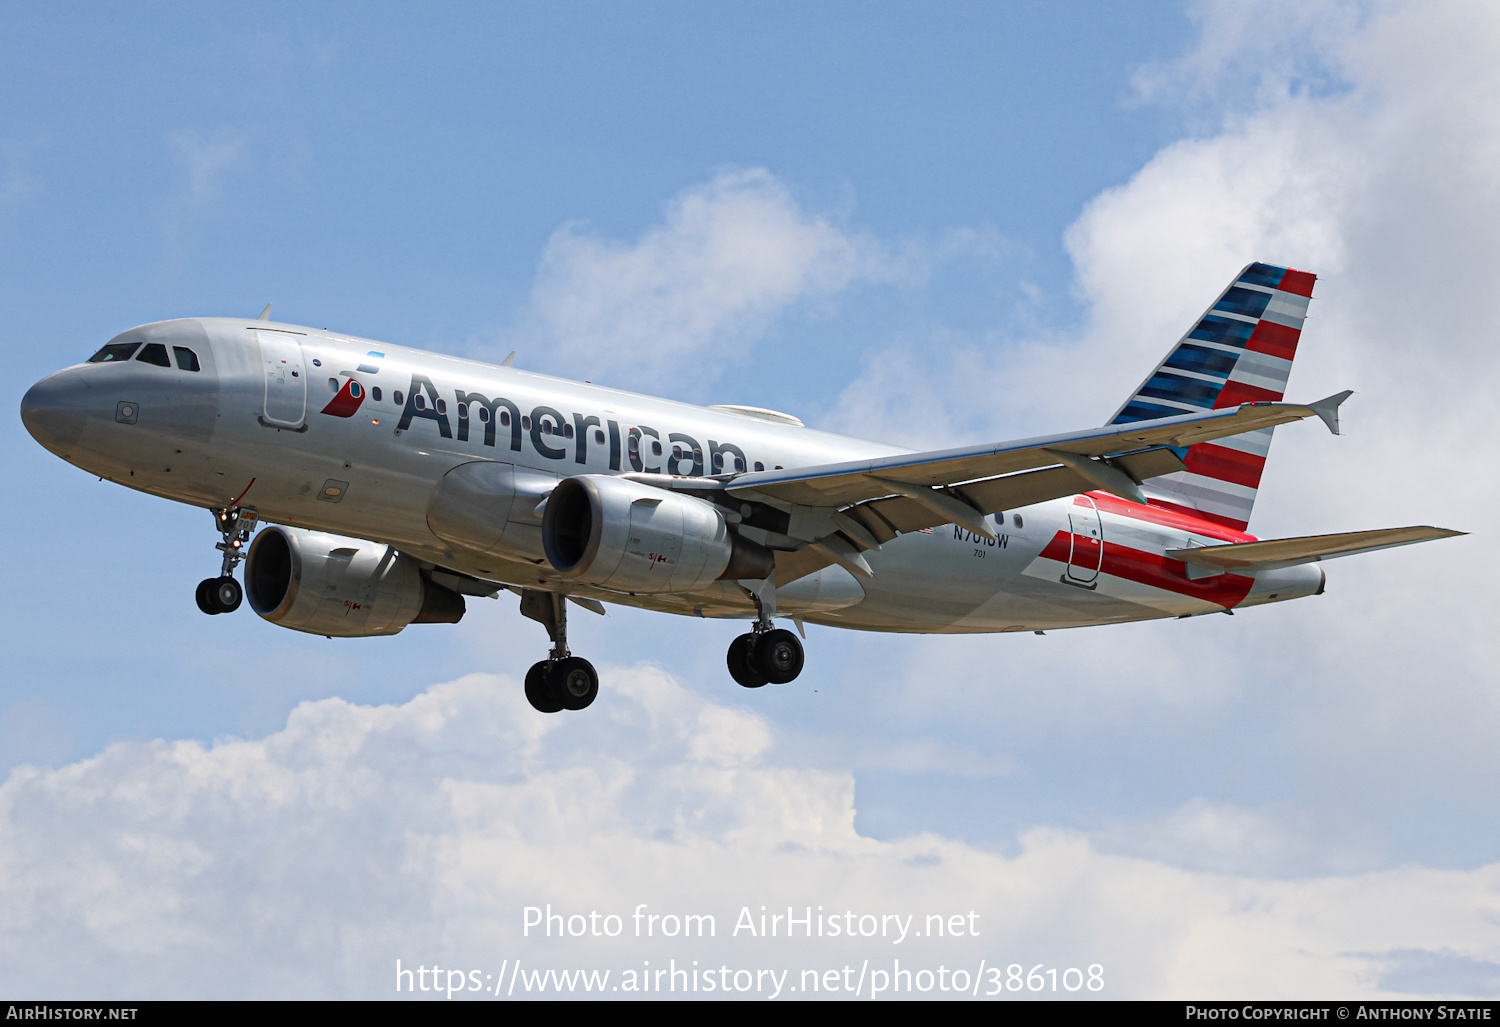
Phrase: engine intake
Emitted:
{"points": [[630, 537], [349, 588]]}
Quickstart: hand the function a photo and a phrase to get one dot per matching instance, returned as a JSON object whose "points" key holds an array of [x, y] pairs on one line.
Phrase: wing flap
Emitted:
{"points": [[897, 514], [1017, 490], [853, 482], [1286, 552]]}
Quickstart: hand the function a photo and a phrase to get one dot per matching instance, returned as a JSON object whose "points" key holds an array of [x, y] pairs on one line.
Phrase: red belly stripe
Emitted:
{"points": [[1157, 571]]}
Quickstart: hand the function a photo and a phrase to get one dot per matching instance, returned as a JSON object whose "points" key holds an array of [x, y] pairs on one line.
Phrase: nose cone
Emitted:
{"points": [[53, 409]]}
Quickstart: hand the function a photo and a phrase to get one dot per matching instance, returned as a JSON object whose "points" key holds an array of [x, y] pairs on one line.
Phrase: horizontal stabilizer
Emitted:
{"points": [[1286, 552]]}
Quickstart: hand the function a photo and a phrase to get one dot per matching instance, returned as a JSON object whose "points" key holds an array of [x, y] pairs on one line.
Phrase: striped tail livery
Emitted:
{"points": [[1239, 351]]}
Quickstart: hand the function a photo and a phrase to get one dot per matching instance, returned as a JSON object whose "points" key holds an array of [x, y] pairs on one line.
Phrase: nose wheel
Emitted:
{"points": [[219, 595], [223, 594]]}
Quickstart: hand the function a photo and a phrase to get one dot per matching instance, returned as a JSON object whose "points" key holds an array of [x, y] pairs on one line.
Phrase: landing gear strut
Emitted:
{"points": [[562, 681], [223, 594], [767, 653]]}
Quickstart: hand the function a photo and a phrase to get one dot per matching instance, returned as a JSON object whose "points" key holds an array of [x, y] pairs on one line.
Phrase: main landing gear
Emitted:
{"points": [[223, 594], [766, 654], [562, 681]]}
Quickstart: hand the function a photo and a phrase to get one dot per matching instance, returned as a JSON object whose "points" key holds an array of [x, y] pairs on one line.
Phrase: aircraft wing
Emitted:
{"points": [[1285, 552], [911, 491]]}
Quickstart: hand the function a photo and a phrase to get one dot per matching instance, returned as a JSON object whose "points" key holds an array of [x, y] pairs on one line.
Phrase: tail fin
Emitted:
{"points": [[1240, 351]]}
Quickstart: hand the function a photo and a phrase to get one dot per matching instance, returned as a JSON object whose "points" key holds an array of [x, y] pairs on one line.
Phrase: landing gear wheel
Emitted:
{"points": [[205, 596], [227, 594], [539, 690], [778, 655], [739, 662], [574, 681]]}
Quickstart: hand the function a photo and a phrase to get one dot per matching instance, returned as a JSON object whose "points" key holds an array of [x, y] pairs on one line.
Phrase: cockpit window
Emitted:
{"points": [[154, 353], [113, 352], [187, 360]]}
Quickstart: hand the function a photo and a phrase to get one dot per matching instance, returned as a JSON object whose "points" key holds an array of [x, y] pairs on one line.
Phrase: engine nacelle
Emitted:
{"points": [[630, 537], [346, 587]]}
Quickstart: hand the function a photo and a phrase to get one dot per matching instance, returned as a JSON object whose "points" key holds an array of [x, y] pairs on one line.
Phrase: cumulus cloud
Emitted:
{"points": [[206, 156], [307, 862], [1353, 729], [684, 301], [1296, 801]]}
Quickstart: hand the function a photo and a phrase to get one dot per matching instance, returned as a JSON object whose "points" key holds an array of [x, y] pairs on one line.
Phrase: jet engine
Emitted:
{"points": [[630, 537], [330, 585]]}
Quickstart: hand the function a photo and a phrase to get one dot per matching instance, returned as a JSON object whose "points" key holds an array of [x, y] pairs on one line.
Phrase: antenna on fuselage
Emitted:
{"points": [[510, 360], [265, 315]]}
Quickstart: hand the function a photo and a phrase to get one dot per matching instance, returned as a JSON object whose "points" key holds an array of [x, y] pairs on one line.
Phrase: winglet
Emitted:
{"points": [[1328, 409], [507, 362], [265, 315]]}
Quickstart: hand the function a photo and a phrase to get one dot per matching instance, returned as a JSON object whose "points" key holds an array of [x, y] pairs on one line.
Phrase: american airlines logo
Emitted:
{"points": [[553, 434]]}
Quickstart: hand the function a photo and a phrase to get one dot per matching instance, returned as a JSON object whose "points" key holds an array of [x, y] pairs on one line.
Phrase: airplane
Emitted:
{"points": [[395, 482]]}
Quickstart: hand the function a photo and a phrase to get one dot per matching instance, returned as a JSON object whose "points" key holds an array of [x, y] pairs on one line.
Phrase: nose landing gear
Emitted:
{"points": [[562, 681], [223, 594], [767, 654]]}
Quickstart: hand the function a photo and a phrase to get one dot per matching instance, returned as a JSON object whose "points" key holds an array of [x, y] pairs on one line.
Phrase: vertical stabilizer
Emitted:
{"points": [[1239, 351]]}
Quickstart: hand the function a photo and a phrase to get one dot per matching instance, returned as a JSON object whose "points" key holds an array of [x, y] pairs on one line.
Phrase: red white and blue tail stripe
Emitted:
{"points": [[1239, 351]]}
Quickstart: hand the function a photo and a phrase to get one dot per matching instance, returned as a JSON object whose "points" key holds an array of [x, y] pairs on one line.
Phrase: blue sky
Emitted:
{"points": [[400, 176], [975, 221]]}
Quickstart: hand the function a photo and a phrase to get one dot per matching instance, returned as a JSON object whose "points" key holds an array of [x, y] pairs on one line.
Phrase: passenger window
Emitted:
{"points": [[463, 411], [375, 394], [504, 418], [154, 353], [187, 360], [442, 406], [397, 397], [526, 423], [110, 354], [484, 415], [759, 466], [1016, 520], [419, 401], [598, 437], [656, 450], [333, 385], [567, 431]]}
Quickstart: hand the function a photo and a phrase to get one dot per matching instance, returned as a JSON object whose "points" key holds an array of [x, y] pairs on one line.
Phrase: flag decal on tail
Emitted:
{"points": [[1239, 351]]}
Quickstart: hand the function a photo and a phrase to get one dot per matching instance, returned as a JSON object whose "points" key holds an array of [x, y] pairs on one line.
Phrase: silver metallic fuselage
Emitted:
{"points": [[203, 438]]}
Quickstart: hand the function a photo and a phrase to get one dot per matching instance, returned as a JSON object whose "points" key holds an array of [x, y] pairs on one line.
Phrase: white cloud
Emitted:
{"points": [[686, 299], [306, 863], [1352, 730], [207, 157], [359, 835]]}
